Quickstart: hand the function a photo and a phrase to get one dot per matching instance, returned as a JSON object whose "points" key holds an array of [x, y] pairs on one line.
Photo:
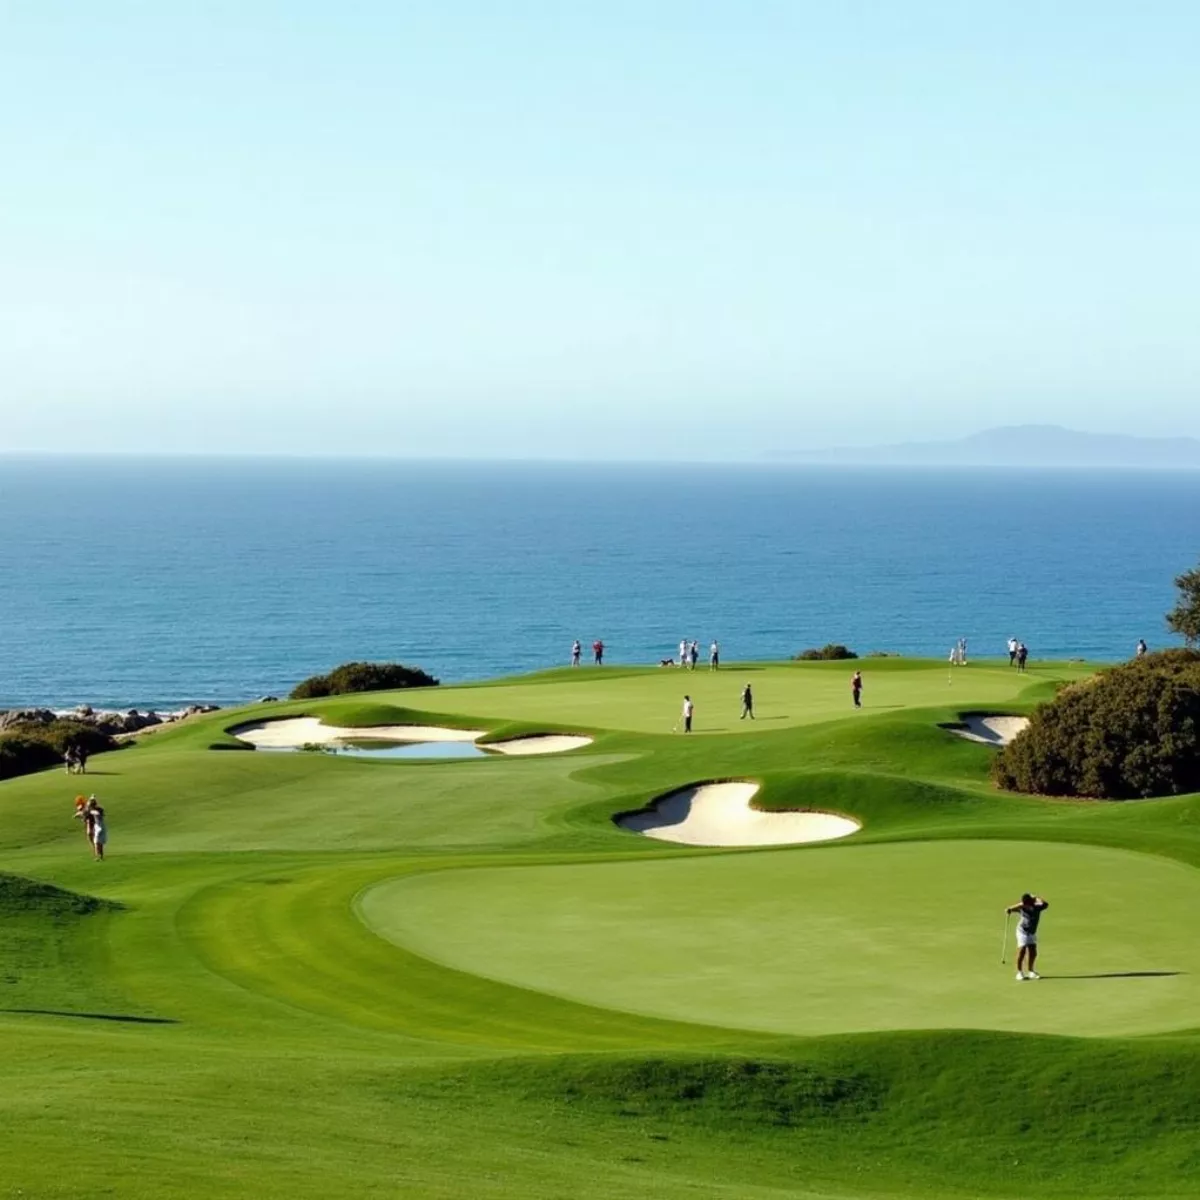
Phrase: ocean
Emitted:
{"points": [[158, 583]]}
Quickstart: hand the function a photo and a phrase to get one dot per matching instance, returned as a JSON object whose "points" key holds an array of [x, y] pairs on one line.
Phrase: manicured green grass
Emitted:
{"points": [[300, 976], [829, 941]]}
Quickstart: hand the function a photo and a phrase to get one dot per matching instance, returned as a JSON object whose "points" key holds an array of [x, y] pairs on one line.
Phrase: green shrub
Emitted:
{"points": [[827, 653], [35, 747], [362, 677], [1130, 733]]}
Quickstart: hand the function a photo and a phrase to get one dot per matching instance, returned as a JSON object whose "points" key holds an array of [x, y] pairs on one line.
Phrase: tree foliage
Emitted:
{"points": [[362, 677], [1184, 618], [831, 651], [1131, 733]]}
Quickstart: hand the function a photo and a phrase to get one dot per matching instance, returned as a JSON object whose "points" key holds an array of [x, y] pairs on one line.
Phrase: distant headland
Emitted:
{"points": [[1023, 446]]}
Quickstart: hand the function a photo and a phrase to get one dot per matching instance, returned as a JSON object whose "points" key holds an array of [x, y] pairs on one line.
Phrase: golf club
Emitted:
{"points": [[1004, 943]]}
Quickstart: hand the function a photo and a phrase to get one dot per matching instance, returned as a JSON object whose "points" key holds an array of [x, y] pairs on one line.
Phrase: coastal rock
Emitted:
{"points": [[26, 716], [113, 723], [134, 720]]}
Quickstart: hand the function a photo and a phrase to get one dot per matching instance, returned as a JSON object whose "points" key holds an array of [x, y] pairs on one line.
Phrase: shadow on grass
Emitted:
{"points": [[1119, 975], [87, 1016]]}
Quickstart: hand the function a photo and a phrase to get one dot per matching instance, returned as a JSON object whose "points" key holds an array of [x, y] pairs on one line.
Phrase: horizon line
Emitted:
{"points": [[775, 461]]}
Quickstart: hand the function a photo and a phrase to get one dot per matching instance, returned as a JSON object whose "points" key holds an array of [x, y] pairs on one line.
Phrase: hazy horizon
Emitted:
{"points": [[546, 234]]}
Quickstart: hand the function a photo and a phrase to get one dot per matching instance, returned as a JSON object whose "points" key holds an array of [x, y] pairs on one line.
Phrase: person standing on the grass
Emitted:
{"points": [[683, 654], [1022, 656], [688, 709], [856, 688], [598, 652], [1142, 648], [962, 646], [99, 829], [1012, 651], [714, 656], [576, 651], [747, 703], [694, 654], [1031, 909]]}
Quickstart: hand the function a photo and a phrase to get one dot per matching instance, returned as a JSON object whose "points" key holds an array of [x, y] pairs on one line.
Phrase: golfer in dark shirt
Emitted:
{"points": [[1031, 909], [747, 703]]}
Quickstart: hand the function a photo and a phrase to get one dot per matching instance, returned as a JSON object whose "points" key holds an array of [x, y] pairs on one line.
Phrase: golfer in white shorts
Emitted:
{"points": [[1031, 909]]}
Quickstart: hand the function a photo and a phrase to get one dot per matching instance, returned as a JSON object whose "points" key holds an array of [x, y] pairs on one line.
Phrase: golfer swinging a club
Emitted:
{"points": [[1031, 909]]}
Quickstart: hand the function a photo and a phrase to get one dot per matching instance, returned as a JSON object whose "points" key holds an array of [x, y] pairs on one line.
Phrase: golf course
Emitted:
{"points": [[497, 967]]}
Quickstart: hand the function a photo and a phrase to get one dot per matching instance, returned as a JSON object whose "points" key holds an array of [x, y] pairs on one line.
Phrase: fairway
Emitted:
{"points": [[304, 975], [837, 941]]}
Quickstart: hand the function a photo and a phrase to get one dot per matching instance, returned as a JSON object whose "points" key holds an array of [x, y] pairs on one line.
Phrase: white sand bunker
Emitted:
{"points": [[990, 731], [291, 732], [540, 743], [719, 814]]}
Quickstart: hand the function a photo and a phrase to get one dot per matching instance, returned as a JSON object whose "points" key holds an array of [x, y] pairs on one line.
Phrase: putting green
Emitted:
{"points": [[648, 701], [818, 942]]}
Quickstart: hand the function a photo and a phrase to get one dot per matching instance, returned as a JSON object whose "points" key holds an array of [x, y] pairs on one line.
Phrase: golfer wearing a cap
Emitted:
{"points": [[1031, 909]]}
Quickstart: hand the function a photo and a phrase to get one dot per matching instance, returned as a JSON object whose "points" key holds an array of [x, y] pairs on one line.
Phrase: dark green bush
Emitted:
{"points": [[34, 747], [827, 653], [1130, 733], [362, 677]]}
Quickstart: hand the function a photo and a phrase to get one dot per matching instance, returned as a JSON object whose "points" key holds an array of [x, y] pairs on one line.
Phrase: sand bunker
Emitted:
{"points": [[990, 731], [540, 743], [291, 732], [719, 814]]}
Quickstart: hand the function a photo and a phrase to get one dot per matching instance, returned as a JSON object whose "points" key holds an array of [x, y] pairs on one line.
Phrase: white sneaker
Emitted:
{"points": [[1033, 975], [1020, 976]]}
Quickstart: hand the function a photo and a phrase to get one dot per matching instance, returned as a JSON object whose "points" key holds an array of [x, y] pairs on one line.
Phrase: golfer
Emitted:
{"points": [[1031, 909], [714, 656], [747, 703], [688, 709], [576, 651], [856, 688], [95, 824]]}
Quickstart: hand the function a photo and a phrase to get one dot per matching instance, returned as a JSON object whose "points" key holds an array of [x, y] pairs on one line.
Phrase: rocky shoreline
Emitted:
{"points": [[114, 723]]}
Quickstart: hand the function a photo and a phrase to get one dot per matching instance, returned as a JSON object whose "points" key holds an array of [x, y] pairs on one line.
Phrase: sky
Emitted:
{"points": [[563, 230]]}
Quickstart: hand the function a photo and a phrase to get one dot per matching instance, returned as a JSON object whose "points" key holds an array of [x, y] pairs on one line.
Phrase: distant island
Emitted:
{"points": [[1022, 446]]}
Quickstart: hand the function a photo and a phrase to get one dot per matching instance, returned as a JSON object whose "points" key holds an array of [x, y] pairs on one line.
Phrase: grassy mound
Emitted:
{"points": [[977, 1114], [24, 898]]}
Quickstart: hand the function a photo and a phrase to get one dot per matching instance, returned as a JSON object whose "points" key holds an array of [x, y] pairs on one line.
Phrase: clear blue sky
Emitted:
{"points": [[618, 230]]}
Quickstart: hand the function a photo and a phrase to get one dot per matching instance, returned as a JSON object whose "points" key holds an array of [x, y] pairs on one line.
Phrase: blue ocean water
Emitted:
{"points": [[158, 583]]}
